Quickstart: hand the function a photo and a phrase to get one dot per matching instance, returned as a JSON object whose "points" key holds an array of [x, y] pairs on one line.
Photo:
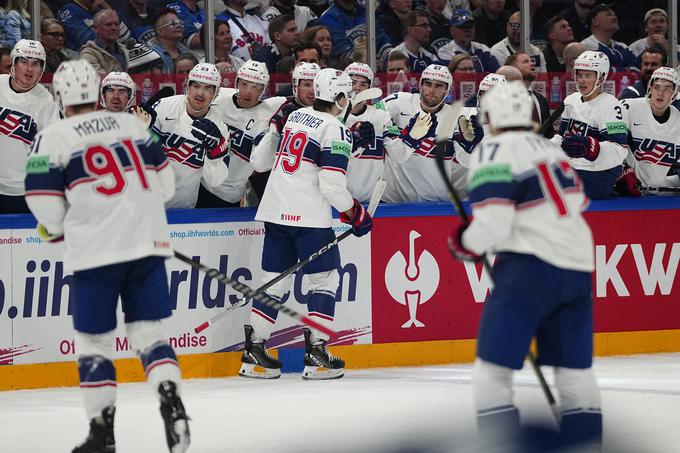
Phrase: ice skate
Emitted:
{"points": [[100, 439], [256, 362], [175, 418], [319, 363]]}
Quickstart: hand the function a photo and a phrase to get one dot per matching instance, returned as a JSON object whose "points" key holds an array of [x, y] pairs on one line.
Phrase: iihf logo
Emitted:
{"points": [[414, 281]]}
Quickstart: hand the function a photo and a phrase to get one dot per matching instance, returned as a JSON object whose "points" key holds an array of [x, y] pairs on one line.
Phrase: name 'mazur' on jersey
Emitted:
{"points": [[187, 155], [99, 177], [309, 172], [22, 115]]}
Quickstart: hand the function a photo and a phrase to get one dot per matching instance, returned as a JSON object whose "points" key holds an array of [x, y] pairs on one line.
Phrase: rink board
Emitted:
{"points": [[403, 300]]}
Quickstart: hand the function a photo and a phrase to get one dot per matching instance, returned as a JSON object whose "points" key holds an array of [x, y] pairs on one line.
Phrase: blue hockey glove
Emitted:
{"points": [[281, 116], [361, 220], [580, 146], [363, 133], [455, 242], [207, 132]]}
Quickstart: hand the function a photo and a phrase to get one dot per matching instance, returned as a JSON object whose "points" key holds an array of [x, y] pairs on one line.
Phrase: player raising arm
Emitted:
{"points": [[98, 181], [526, 203]]}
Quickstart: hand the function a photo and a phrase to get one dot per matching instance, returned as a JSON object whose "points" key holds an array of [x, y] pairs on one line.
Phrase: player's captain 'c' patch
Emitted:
{"points": [[39, 164], [342, 148], [490, 174], [617, 127]]}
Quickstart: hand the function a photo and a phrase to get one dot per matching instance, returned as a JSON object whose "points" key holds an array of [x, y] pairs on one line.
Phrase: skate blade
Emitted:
{"points": [[182, 430], [250, 370], [315, 373]]}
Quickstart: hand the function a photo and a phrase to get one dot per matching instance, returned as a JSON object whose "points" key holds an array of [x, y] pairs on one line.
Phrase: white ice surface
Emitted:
{"points": [[367, 411]]}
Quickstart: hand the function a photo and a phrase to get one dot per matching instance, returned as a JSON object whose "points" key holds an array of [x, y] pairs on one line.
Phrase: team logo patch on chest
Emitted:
{"points": [[17, 125], [184, 151], [655, 151]]}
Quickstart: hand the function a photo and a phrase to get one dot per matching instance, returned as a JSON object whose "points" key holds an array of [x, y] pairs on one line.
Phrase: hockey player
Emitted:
{"points": [[653, 136], [307, 179], [117, 92], [193, 135], [526, 203], [98, 181], [417, 179], [246, 115], [593, 128], [25, 108]]}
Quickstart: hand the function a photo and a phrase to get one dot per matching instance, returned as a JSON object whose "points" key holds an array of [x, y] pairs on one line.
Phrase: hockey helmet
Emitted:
{"points": [[74, 83], [304, 71], [329, 83], [591, 60], [360, 69], [28, 48], [490, 81], [668, 74], [437, 73], [253, 71], [118, 79], [207, 74], [508, 105]]}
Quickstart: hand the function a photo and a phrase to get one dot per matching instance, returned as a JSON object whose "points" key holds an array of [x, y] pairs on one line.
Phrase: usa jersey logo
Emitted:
{"points": [[577, 127], [17, 125], [186, 152], [655, 151], [241, 144]]}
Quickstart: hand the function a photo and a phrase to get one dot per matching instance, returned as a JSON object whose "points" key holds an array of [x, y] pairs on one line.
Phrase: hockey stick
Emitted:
{"points": [[660, 189], [369, 93], [551, 119], [439, 158], [164, 92], [251, 293], [372, 206]]}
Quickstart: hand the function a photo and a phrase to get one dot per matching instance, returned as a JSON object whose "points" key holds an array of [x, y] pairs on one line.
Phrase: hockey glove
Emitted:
{"points": [[628, 184], [361, 220], [421, 126], [580, 146], [281, 116], [458, 251], [471, 132], [363, 133], [207, 132], [46, 236], [144, 113]]}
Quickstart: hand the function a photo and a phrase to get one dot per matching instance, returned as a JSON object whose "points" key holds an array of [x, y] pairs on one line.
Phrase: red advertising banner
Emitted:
{"points": [[420, 293]]}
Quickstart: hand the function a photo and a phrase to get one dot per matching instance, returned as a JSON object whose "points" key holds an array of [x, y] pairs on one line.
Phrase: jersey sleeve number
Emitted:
{"points": [[551, 187], [291, 150], [102, 162]]}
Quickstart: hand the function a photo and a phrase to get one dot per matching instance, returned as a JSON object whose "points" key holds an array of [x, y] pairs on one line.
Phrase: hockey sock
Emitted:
{"points": [[98, 381], [321, 306], [160, 364], [262, 319]]}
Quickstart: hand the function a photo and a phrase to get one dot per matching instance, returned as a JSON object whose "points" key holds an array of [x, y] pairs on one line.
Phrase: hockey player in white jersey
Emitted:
{"points": [[653, 136], [193, 135], [117, 92], [246, 115], [26, 107], [417, 179], [593, 128], [526, 203], [97, 181], [308, 179]]}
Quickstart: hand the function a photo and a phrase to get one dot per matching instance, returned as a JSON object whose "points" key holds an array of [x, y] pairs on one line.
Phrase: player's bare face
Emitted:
{"points": [[360, 84], [432, 93], [249, 93], [199, 97], [305, 92], [585, 81], [27, 72], [660, 95], [116, 98]]}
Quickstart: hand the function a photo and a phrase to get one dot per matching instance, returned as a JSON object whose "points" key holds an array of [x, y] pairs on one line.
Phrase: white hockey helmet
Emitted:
{"points": [[207, 74], [437, 73], [74, 83], [668, 74], [490, 81], [591, 60], [304, 71], [118, 79], [360, 69], [28, 48], [508, 105], [253, 71], [329, 83]]}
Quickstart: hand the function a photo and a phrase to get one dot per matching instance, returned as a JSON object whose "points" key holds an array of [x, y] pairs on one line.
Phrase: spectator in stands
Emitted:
{"points": [[391, 15], [510, 73], [248, 31], [525, 64], [185, 63], [491, 18], [559, 34], [169, 33], [283, 34], [416, 30], [511, 44], [651, 59], [346, 20], [656, 26], [304, 17], [463, 30], [603, 25], [578, 16], [137, 17], [223, 45], [5, 60], [77, 19], [105, 53], [321, 35], [570, 53], [307, 52], [537, 16], [52, 39], [440, 33], [461, 63], [396, 62], [192, 17], [16, 24]]}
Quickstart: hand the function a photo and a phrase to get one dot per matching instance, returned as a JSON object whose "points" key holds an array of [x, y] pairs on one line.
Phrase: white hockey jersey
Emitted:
{"points": [[309, 173], [303, 15], [418, 179], [527, 199], [602, 118], [244, 125], [187, 155], [257, 32], [653, 146], [101, 180], [22, 115]]}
